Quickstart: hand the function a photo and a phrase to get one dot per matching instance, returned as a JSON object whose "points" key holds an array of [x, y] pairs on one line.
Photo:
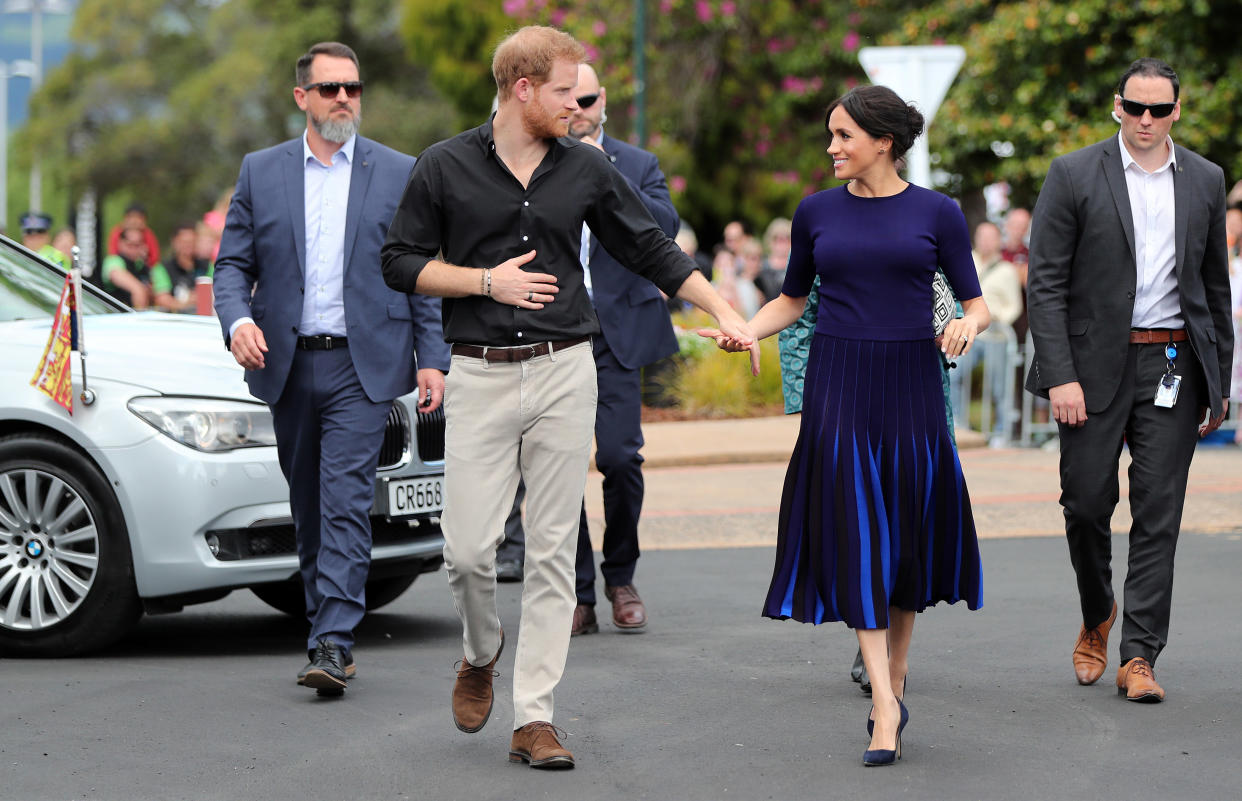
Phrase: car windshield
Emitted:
{"points": [[30, 289]]}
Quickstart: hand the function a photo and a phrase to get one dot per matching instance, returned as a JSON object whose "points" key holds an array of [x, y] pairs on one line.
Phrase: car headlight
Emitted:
{"points": [[208, 424]]}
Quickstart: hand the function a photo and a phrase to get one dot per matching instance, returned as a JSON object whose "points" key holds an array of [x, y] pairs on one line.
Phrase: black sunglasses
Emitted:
{"points": [[586, 101], [1135, 109], [330, 89]]}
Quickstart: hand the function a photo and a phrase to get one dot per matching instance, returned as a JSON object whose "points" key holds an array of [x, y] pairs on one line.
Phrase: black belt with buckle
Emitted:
{"points": [[322, 342], [517, 353]]}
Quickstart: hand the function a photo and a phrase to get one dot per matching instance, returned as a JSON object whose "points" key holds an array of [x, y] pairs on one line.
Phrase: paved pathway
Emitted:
{"points": [[711, 703], [733, 470]]}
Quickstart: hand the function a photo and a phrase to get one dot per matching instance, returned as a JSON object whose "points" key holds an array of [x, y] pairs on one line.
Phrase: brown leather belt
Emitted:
{"points": [[516, 353], [1156, 336]]}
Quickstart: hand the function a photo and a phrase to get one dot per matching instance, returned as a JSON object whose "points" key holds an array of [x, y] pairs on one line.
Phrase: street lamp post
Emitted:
{"points": [[21, 68], [36, 9], [640, 71]]}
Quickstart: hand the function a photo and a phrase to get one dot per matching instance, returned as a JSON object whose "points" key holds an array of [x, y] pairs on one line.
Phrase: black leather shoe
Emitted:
{"points": [[508, 571], [350, 669], [327, 669]]}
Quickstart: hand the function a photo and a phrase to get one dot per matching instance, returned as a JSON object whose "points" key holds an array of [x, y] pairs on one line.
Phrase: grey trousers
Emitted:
{"points": [[1162, 442]]}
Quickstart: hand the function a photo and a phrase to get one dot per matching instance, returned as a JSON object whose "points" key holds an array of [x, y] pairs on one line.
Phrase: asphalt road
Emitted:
{"points": [[712, 702]]}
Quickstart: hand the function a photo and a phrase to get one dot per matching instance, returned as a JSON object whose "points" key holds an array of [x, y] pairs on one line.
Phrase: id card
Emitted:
{"points": [[1166, 392]]}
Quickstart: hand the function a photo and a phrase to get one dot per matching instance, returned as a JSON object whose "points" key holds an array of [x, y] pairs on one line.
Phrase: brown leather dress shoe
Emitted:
{"points": [[584, 621], [1137, 682], [628, 613], [537, 744], [472, 692], [1091, 650]]}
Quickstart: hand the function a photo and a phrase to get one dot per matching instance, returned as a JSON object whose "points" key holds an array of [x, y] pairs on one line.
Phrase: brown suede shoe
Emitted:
{"points": [[1091, 650], [584, 621], [628, 612], [536, 743], [472, 692], [1137, 682]]}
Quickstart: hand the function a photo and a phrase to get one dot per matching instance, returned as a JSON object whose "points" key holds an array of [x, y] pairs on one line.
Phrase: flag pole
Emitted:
{"points": [[88, 395]]}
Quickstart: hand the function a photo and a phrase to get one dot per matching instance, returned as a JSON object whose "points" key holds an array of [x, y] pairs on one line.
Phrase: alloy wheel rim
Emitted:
{"points": [[49, 549]]}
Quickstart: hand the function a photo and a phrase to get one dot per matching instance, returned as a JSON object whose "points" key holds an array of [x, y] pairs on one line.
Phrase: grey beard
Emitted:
{"points": [[338, 132]]}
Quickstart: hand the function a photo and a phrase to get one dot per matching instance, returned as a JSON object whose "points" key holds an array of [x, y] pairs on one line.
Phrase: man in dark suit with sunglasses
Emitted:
{"points": [[324, 341], [1130, 317]]}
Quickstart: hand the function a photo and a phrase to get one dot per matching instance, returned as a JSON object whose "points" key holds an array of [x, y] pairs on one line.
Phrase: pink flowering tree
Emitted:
{"points": [[736, 89]]}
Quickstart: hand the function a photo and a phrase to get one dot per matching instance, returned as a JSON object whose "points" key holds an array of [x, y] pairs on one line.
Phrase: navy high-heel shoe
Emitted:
{"points": [[870, 721], [881, 757]]}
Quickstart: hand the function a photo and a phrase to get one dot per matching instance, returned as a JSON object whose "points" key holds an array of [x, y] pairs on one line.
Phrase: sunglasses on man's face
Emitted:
{"points": [[1135, 109], [586, 101], [328, 90]]}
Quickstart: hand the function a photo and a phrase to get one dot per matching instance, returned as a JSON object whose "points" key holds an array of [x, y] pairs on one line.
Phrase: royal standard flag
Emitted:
{"points": [[53, 376]]}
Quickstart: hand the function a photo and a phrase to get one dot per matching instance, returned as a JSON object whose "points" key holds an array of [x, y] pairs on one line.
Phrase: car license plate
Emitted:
{"points": [[415, 496]]}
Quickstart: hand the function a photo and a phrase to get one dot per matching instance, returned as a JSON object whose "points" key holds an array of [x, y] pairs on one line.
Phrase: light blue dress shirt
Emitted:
{"points": [[326, 198], [325, 201]]}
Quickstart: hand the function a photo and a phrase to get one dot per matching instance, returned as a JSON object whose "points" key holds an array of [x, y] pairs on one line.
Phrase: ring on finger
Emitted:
{"points": [[530, 296], [965, 338]]}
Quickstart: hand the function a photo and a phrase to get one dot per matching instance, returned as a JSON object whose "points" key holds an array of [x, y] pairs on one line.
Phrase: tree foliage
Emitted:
{"points": [[736, 90], [454, 41], [1040, 76], [161, 98]]}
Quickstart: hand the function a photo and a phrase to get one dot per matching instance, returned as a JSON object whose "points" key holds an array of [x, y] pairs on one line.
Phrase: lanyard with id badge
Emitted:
{"points": [[1166, 391]]}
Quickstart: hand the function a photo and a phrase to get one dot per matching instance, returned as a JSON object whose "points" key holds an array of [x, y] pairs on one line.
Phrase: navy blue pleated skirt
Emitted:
{"points": [[875, 511]]}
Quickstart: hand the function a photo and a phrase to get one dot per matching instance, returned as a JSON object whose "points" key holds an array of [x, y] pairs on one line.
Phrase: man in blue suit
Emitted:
{"points": [[635, 331], [325, 343]]}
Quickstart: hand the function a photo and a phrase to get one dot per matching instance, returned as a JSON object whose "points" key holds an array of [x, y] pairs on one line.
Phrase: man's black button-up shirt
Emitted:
{"points": [[464, 207]]}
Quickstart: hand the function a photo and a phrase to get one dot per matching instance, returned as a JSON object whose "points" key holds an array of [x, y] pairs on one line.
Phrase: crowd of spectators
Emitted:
{"points": [[747, 270], [139, 272]]}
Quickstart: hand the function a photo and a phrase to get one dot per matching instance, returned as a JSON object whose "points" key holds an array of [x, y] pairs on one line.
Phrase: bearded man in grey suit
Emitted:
{"points": [[1130, 318], [325, 343]]}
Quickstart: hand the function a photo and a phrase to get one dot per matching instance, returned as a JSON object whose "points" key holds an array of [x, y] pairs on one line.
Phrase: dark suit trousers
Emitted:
{"points": [[1162, 442], [618, 440], [328, 437]]}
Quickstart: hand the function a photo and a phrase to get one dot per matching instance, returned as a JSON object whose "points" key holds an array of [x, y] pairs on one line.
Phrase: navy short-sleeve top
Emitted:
{"points": [[876, 257]]}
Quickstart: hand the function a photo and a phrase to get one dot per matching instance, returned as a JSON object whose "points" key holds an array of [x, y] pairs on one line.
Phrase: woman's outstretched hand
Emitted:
{"points": [[733, 344]]}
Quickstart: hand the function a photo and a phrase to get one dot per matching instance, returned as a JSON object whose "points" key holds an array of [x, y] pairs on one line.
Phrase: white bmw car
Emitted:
{"points": [[165, 490]]}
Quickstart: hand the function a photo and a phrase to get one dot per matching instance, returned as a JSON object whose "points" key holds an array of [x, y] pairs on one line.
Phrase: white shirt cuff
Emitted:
{"points": [[238, 324]]}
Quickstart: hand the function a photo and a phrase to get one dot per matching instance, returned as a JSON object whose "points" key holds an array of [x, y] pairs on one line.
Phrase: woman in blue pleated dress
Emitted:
{"points": [[875, 522]]}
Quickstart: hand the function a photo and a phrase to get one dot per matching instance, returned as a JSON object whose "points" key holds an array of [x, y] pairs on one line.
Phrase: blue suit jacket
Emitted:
{"points": [[260, 271], [633, 315]]}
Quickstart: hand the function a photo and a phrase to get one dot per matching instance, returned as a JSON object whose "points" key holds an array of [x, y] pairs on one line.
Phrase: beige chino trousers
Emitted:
{"points": [[535, 419]]}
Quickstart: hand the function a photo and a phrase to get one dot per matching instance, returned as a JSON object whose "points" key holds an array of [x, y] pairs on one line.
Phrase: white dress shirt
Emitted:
{"points": [[1156, 302], [326, 197], [584, 255]]}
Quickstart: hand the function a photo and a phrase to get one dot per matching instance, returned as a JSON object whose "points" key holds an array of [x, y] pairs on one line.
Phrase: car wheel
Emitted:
{"points": [[66, 576], [382, 592], [288, 596]]}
